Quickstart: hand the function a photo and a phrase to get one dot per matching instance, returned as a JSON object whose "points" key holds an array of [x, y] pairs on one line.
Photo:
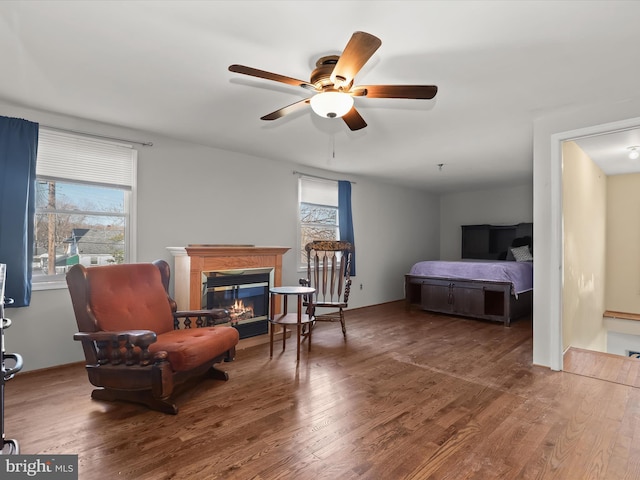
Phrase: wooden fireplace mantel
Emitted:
{"points": [[192, 260]]}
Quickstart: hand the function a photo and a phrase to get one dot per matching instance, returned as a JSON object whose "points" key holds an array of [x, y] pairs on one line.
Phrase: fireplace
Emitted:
{"points": [[194, 264], [244, 293]]}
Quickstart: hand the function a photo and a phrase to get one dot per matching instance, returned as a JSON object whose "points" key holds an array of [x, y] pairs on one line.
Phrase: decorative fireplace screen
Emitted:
{"points": [[244, 293]]}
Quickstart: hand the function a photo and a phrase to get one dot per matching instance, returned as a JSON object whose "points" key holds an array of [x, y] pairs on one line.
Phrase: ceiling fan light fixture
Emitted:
{"points": [[332, 104], [634, 153]]}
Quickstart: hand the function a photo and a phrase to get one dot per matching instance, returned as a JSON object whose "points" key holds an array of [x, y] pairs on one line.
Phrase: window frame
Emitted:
{"points": [[58, 281], [330, 185]]}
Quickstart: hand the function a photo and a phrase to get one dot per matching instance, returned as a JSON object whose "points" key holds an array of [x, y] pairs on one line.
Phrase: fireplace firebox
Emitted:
{"points": [[244, 293]]}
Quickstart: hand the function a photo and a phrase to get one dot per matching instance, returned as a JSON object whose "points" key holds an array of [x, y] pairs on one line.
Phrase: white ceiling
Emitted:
{"points": [[611, 151], [161, 66]]}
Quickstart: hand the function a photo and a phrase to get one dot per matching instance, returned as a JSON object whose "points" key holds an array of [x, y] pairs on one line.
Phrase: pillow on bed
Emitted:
{"points": [[522, 254], [518, 242]]}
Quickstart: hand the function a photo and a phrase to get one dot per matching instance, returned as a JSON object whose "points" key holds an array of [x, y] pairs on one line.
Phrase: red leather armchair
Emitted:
{"points": [[137, 346]]}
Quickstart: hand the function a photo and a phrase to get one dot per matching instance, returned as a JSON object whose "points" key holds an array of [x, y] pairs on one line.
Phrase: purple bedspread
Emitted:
{"points": [[519, 274]]}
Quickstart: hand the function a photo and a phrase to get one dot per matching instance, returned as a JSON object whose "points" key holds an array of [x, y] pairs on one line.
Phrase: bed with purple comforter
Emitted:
{"points": [[519, 274], [483, 289]]}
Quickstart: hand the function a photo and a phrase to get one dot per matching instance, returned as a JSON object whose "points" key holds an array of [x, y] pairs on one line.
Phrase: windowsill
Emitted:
{"points": [[53, 285]]}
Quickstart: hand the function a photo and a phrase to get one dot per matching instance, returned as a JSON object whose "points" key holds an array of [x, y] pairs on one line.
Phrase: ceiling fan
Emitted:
{"points": [[332, 82]]}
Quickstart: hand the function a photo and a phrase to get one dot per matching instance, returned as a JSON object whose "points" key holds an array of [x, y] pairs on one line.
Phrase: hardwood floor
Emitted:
{"points": [[409, 395], [605, 366]]}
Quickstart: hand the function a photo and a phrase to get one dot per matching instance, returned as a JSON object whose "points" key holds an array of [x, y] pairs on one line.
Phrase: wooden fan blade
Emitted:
{"points": [[254, 72], [294, 107], [395, 91], [357, 52], [353, 119]]}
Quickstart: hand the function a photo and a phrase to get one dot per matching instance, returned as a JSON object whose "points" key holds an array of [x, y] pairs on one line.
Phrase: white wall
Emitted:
{"points": [[547, 208], [621, 344], [505, 205], [584, 193], [623, 238], [190, 193]]}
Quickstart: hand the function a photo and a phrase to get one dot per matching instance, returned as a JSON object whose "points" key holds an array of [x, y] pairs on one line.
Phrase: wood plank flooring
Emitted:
{"points": [[605, 366], [409, 395]]}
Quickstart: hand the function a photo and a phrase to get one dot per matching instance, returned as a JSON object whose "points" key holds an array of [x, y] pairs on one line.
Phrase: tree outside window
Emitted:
{"points": [[77, 223]]}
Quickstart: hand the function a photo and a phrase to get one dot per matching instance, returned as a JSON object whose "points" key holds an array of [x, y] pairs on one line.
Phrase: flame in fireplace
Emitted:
{"points": [[240, 311]]}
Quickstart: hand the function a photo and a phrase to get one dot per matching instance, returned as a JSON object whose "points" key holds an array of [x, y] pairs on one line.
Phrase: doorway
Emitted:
{"points": [[606, 143]]}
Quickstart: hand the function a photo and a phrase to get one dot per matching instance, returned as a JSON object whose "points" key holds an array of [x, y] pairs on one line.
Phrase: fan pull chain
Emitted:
{"points": [[332, 146]]}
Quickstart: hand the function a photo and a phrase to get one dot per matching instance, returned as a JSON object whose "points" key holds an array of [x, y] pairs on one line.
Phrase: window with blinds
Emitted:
{"points": [[318, 212], [84, 204]]}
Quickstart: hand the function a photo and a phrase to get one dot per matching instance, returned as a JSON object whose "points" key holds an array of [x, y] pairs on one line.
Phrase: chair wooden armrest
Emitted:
{"points": [[204, 318], [99, 336], [109, 345], [142, 339]]}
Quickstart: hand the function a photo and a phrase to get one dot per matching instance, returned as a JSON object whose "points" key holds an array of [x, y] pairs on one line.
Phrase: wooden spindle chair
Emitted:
{"points": [[328, 271]]}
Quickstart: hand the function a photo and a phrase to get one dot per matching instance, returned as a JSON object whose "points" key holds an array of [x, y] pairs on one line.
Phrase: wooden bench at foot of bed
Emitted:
{"points": [[468, 298]]}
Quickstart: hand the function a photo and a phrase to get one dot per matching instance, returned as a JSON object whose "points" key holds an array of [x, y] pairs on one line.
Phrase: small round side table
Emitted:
{"points": [[299, 318]]}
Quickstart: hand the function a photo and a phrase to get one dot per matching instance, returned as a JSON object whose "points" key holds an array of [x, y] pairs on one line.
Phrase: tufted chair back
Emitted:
{"points": [[129, 296]]}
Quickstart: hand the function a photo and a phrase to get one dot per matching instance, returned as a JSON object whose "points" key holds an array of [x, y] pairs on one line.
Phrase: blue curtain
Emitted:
{"points": [[18, 149], [345, 219]]}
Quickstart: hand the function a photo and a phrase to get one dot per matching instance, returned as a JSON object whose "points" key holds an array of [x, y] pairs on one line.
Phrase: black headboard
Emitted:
{"points": [[491, 242]]}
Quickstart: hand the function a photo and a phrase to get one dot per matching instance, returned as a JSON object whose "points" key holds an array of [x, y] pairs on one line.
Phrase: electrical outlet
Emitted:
{"points": [[360, 286]]}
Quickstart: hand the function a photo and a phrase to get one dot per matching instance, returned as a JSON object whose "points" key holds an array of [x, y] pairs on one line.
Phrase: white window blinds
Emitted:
{"points": [[63, 156], [318, 191]]}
